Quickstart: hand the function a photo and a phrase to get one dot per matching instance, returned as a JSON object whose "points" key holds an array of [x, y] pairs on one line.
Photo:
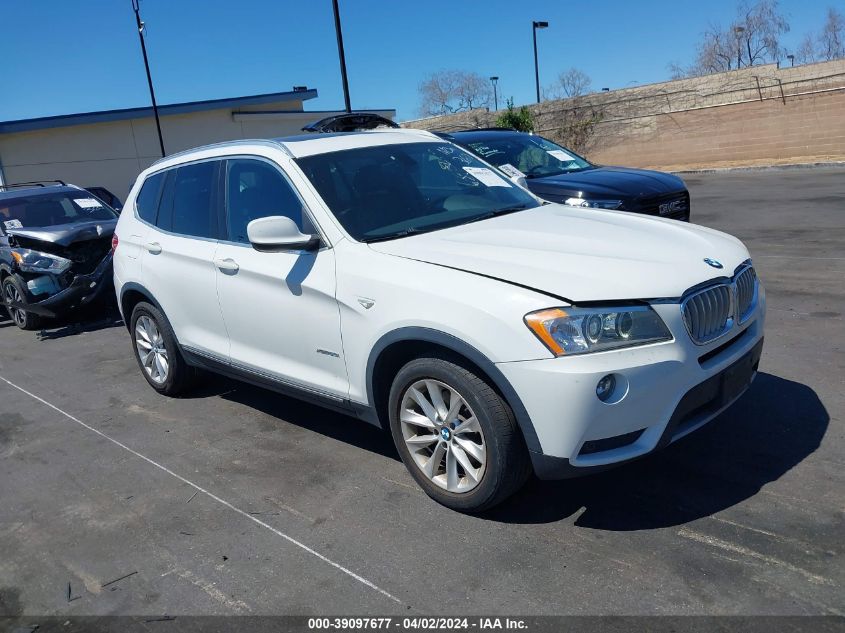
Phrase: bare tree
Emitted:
{"points": [[752, 38], [715, 53], [831, 41], [806, 53], [570, 83], [758, 29], [827, 44], [451, 91]]}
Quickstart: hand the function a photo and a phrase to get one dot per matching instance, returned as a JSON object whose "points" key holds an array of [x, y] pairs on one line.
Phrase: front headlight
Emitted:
{"points": [[37, 262], [567, 331], [598, 204]]}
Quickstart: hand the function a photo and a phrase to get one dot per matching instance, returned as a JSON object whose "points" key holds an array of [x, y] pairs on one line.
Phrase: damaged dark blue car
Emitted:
{"points": [[55, 250]]}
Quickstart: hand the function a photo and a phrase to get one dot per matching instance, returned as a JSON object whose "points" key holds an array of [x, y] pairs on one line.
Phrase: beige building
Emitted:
{"points": [[111, 148]]}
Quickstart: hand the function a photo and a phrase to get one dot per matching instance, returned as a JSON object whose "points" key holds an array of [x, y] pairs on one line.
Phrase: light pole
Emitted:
{"points": [[534, 26], [140, 24], [342, 56], [739, 30], [494, 81]]}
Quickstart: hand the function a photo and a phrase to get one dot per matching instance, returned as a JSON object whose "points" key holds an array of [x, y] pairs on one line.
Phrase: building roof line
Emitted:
{"points": [[82, 118]]}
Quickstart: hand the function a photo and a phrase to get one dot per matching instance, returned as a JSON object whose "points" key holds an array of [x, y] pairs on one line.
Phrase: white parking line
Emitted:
{"points": [[744, 551], [211, 495]]}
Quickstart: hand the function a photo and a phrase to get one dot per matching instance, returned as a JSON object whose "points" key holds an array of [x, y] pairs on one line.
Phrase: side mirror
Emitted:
{"points": [[279, 233]]}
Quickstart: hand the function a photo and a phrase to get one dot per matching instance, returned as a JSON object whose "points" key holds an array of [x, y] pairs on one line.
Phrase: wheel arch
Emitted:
{"points": [[398, 347], [131, 294]]}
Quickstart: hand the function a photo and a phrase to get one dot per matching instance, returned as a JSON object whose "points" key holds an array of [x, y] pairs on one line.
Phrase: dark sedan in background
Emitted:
{"points": [[557, 174]]}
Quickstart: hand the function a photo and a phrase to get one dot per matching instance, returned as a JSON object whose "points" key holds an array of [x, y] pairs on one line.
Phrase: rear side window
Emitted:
{"points": [[188, 202], [148, 197], [255, 189]]}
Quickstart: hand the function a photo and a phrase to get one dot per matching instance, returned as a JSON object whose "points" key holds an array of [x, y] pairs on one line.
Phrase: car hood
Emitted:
{"points": [[621, 182], [65, 234], [580, 254]]}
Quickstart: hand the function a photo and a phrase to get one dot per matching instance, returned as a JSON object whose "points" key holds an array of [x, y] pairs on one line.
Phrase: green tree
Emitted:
{"points": [[520, 119]]}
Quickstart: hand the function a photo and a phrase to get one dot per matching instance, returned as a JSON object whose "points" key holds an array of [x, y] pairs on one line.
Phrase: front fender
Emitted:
{"points": [[464, 349]]}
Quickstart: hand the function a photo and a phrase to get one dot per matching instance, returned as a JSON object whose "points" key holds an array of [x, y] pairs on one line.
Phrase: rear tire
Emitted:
{"points": [[157, 353], [14, 291], [456, 435]]}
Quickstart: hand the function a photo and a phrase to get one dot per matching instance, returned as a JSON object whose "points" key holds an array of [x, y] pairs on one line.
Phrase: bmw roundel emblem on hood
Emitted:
{"points": [[715, 263]]}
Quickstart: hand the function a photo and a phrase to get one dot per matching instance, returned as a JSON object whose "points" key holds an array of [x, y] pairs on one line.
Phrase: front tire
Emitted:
{"points": [[14, 292], [157, 352], [456, 436]]}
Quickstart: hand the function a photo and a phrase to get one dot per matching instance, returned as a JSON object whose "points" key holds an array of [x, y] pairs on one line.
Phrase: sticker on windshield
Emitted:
{"points": [[511, 171], [560, 155], [13, 224], [88, 203], [486, 176]]}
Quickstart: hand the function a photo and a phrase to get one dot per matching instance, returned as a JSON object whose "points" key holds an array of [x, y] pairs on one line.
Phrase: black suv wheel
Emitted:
{"points": [[14, 292]]}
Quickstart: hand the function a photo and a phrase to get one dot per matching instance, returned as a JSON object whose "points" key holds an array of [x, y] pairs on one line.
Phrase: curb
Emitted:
{"points": [[719, 170]]}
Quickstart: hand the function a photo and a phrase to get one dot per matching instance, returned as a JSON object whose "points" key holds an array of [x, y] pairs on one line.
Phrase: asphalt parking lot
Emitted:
{"points": [[239, 501]]}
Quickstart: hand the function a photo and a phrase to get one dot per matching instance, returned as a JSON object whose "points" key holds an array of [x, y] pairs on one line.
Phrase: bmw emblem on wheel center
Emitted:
{"points": [[713, 262]]}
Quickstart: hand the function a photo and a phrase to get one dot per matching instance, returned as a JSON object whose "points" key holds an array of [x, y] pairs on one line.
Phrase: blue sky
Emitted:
{"points": [[66, 56]]}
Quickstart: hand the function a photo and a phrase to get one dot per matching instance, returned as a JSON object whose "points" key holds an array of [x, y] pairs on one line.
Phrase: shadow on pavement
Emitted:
{"points": [[100, 315], [286, 410], [771, 429]]}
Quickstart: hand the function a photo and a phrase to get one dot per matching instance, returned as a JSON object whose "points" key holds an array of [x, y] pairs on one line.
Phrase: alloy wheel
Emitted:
{"points": [[443, 435], [14, 296], [151, 349]]}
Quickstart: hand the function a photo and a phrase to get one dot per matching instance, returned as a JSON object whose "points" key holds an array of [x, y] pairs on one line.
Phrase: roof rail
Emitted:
{"points": [[33, 183], [245, 141]]}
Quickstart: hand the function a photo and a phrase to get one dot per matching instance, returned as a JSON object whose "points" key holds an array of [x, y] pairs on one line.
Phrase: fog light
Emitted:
{"points": [[605, 387]]}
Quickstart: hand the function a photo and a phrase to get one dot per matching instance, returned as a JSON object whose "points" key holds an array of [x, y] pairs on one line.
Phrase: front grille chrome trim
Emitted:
{"points": [[746, 293], [712, 312]]}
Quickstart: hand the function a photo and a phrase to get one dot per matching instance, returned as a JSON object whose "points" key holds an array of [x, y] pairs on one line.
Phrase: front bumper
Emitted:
{"points": [[82, 290], [665, 391]]}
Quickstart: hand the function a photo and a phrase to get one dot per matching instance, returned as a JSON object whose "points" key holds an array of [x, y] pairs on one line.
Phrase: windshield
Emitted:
{"points": [[533, 156], [41, 210], [389, 191]]}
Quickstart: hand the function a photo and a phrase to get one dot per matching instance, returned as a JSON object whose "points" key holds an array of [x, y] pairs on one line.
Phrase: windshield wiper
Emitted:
{"points": [[393, 236], [416, 231], [497, 212]]}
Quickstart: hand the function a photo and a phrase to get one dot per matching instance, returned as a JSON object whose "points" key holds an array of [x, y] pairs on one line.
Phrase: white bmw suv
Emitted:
{"points": [[398, 278]]}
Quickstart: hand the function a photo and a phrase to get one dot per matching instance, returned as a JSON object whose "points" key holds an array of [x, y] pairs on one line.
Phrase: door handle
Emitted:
{"points": [[153, 247], [227, 265]]}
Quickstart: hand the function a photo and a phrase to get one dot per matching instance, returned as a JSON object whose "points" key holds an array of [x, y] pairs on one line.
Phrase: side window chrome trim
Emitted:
{"points": [[223, 159], [161, 193], [135, 202]]}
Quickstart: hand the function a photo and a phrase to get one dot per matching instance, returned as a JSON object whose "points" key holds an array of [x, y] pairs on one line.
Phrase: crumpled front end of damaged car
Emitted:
{"points": [[61, 270]]}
